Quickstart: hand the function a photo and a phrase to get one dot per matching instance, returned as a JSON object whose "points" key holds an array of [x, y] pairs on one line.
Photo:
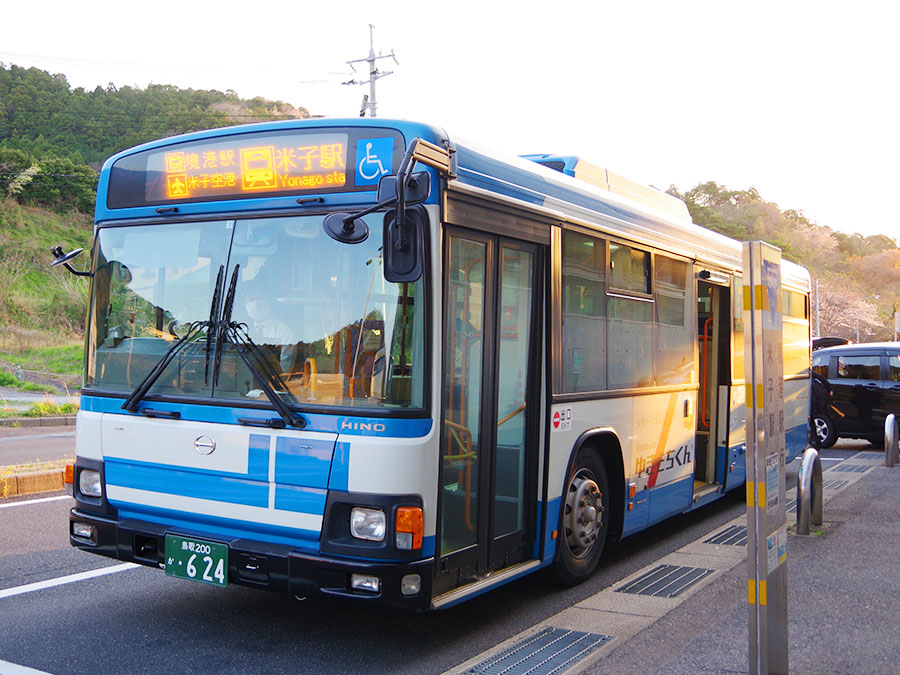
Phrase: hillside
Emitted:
{"points": [[53, 139]]}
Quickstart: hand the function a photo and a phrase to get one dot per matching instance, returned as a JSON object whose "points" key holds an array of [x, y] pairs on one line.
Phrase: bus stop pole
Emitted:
{"points": [[766, 473]]}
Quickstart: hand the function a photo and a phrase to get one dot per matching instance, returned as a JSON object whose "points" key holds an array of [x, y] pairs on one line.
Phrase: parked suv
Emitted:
{"points": [[865, 383]]}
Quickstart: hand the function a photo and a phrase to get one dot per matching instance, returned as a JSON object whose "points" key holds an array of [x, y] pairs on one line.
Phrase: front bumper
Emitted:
{"points": [[274, 567]]}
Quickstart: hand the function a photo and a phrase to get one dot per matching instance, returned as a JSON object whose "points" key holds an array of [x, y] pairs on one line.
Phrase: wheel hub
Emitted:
{"points": [[821, 429], [584, 513]]}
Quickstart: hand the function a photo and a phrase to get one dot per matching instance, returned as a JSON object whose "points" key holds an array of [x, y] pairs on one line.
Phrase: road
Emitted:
{"points": [[31, 444], [138, 620]]}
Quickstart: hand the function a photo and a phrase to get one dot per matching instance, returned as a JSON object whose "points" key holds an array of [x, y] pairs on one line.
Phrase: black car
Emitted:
{"points": [[864, 381]]}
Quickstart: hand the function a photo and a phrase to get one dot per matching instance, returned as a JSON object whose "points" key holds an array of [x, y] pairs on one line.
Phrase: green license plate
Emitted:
{"points": [[197, 560]]}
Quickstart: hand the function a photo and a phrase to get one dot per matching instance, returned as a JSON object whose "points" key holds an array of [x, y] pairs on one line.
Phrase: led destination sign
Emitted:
{"points": [[246, 165], [230, 168]]}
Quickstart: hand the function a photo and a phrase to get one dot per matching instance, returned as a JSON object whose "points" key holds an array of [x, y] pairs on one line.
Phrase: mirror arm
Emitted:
{"points": [[76, 272], [348, 221]]}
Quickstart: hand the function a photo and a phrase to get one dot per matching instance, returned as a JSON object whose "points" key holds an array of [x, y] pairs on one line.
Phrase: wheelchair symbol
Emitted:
{"points": [[370, 166]]}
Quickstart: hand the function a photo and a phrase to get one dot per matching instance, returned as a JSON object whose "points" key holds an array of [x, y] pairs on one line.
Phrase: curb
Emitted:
{"points": [[56, 421], [32, 482]]}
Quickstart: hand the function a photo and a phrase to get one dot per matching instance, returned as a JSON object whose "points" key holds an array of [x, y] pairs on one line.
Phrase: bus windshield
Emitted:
{"points": [[327, 328]]}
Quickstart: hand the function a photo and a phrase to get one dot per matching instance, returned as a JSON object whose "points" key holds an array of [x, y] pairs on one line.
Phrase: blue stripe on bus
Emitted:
{"points": [[300, 499], [216, 527], [338, 424], [552, 524], [259, 463], [258, 457], [303, 461], [670, 499], [186, 483], [340, 468], [795, 441]]}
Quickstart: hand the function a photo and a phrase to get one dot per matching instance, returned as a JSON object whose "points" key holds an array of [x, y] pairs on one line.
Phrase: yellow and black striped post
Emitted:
{"points": [[766, 520]]}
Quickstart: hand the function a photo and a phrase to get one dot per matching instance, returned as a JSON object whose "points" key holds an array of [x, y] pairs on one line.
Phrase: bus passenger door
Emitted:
{"points": [[491, 339], [714, 354]]}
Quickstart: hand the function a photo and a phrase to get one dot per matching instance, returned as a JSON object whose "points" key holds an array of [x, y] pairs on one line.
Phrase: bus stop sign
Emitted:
{"points": [[766, 520]]}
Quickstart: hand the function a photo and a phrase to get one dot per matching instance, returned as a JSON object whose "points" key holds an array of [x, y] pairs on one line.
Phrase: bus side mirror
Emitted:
{"points": [[404, 246], [418, 187], [63, 259]]}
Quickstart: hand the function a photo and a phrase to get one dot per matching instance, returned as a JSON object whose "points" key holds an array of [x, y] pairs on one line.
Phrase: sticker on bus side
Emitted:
{"points": [[561, 419]]}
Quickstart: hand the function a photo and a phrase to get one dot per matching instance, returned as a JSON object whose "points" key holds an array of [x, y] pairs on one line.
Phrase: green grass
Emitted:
{"points": [[64, 359], [7, 380]]}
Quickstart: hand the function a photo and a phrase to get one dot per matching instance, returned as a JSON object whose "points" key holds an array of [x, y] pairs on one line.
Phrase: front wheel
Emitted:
{"points": [[584, 519], [824, 431]]}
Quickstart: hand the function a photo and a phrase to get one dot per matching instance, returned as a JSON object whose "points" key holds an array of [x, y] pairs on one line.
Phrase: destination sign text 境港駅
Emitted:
{"points": [[230, 168]]}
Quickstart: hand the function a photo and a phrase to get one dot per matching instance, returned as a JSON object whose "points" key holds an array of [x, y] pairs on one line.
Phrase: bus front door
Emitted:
{"points": [[491, 339]]}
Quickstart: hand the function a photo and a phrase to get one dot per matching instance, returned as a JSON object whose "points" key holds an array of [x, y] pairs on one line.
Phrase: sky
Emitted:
{"points": [[796, 98]]}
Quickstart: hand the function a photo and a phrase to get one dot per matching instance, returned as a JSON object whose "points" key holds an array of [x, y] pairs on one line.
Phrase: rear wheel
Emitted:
{"points": [[824, 430], [584, 519]]}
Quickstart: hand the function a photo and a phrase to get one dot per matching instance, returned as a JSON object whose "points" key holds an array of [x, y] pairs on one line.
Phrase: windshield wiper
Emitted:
{"points": [[131, 403], [194, 330], [225, 331], [213, 314], [222, 326], [236, 334]]}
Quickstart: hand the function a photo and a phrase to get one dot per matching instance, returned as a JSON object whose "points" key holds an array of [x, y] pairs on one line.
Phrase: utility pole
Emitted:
{"points": [[368, 102]]}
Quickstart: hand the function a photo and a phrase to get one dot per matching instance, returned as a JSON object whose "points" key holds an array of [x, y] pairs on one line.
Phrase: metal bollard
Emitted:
{"points": [[809, 491], [891, 441]]}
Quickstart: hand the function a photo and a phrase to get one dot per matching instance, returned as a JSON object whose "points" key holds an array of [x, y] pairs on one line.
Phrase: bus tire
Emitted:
{"points": [[584, 521]]}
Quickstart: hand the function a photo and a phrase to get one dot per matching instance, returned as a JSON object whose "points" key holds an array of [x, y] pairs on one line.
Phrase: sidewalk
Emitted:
{"points": [[843, 595]]}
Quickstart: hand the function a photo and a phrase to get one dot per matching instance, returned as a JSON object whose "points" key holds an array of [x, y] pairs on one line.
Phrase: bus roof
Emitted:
{"points": [[579, 192]]}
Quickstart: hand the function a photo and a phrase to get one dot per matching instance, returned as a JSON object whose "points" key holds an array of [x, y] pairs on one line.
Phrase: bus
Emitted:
{"points": [[363, 359]]}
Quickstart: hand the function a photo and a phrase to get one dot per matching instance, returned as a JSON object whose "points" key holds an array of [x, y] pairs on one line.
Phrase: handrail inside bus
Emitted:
{"points": [[704, 371], [463, 437], [511, 415]]}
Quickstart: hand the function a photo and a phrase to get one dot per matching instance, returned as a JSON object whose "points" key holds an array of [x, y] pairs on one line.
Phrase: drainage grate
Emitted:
{"points": [[552, 650], [665, 581], [855, 468], [735, 535], [834, 484]]}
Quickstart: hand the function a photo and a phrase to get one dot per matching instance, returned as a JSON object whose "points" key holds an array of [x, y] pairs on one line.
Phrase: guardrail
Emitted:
{"points": [[809, 491], [891, 451]]}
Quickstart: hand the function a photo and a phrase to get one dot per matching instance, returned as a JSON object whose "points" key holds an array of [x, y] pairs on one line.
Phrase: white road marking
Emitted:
{"points": [[34, 501], [12, 439], [7, 668], [59, 581]]}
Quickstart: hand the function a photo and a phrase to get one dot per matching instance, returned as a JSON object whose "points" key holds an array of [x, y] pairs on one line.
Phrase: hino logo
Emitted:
{"points": [[362, 426], [205, 445]]}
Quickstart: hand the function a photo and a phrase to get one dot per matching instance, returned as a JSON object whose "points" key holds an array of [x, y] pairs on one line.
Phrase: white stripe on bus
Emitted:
{"points": [[253, 514]]}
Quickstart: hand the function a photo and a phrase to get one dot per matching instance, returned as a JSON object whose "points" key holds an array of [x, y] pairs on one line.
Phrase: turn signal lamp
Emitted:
{"points": [[409, 528], [69, 478]]}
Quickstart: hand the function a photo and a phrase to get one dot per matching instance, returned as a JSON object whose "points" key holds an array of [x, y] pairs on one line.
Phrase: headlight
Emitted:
{"points": [[367, 524], [89, 483]]}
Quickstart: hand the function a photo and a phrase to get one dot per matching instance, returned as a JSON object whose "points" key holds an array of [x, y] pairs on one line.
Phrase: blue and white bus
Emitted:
{"points": [[364, 359]]}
